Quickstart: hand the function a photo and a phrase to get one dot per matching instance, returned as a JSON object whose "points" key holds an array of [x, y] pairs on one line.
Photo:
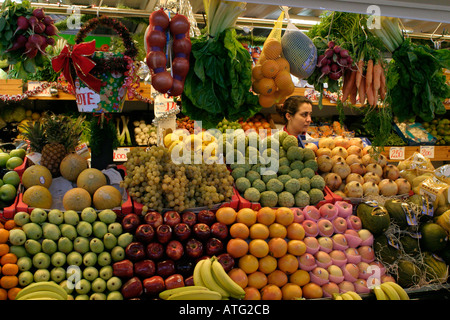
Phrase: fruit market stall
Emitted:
{"points": [[159, 170]]}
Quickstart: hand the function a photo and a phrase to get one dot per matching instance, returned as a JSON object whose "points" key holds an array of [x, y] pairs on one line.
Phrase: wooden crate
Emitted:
{"points": [[11, 86]]}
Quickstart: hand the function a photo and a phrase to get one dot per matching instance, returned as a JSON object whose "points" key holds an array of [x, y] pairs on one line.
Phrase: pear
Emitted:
{"points": [[41, 275], [90, 273], [38, 215], [114, 295], [84, 229], [107, 216], [49, 246], [24, 264], [55, 216], [65, 245], [98, 285], [124, 239], [32, 230], [32, 246], [115, 228], [97, 296], [51, 231], [58, 259], [81, 245], [117, 253], [41, 260], [88, 214], [19, 251], [106, 272], [68, 230], [21, 218], [74, 258], [99, 229], [104, 259], [90, 259], [109, 240], [114, 283], [17, 237], [96, 245], [71, 217], [58, 274]]}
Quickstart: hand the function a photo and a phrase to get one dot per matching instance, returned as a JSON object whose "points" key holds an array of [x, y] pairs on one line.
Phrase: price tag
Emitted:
{"points": [[397, 153], [120, 154], [163, 104], [44, 93], [427, 151]]}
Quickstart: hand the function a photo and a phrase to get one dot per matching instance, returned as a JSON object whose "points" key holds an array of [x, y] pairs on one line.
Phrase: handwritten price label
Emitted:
{"points": [[397, 153], [120, 154], [427, 151], [163, 103], [34, 84]]}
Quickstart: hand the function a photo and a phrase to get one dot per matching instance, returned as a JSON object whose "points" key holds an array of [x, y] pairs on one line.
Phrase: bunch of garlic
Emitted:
{"points": [[144, 133]]}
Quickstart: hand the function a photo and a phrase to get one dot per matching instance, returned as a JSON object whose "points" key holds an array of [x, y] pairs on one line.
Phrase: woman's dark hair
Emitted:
{"points": [[291, 105]]}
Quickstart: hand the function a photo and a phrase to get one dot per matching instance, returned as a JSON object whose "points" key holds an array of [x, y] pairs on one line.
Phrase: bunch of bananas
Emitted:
{"points": [[390, 291], [348, 295], [190, 293], [44, 290]]}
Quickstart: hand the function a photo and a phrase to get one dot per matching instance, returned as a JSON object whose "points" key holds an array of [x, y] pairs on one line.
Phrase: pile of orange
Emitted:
{"points": [[271, 77], [8, 264], [266, 245]]}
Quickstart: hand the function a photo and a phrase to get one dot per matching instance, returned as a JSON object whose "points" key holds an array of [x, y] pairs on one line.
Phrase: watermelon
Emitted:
{"points": [[436, 270], [374, 218], [434, 238], [408, 274], [396, 212], [386, 252]]}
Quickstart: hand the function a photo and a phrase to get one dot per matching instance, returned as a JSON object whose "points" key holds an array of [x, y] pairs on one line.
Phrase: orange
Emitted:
{"points": [[278, 278], [3, 294], [312, 291], [246, 216], [237, 247], [8, 282], [10, 269], [296, 247], [270, 68], [226, 215], [252, 294], [267, 264], [239, 230], [283, 64], [277, 230], [277, 247], [257, 72], [267, 101], [10, 224], [300, 277], [248, 263], [266, 86], [259, 231], [271, 292], [4, 235], [239, 276], [257, 279], [8, 258], [272, 49], [291, 291], [255, 87], [4, 248], [12, 293], [288, 263], [266, 215], [258, 247], [284, 216], [287, 89], [295, 231], [1, 225]]}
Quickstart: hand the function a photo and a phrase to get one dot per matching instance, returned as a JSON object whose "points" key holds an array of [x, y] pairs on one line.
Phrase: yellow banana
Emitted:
{"points": [[208, 279], [43, 286], [354, 295], [167, 293], [337, 297], [41, 294], [197, 274], [224, 280], [400, 291], [346, 296], [379, 293], [390, 291], [196, 294]]}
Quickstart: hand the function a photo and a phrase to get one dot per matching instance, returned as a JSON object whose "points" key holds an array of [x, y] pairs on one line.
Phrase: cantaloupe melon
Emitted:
{"points": [[107, 197], [91, 179], [38, 197], [72, 165], [36, 175], [76, 199]]}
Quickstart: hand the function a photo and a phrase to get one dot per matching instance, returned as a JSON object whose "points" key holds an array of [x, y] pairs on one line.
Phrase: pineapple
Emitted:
{"points": [[34, 132]]}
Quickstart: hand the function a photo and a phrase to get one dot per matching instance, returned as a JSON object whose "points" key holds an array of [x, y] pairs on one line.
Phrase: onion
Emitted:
{"points": [[180, 67], [156, 59], [182, 46], [162, 81], [159, 19], [179, 24], [177, 88], [156, 39]]}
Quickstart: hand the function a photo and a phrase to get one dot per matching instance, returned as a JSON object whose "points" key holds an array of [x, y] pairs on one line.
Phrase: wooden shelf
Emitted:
{"points": [[441, 153]]}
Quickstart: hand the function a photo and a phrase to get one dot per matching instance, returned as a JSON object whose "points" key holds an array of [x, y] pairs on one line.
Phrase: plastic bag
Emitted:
{"points": [[416, 169]]}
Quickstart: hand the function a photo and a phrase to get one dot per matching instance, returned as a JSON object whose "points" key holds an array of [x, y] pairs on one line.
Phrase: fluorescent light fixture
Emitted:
{"points": [[304, 22]]}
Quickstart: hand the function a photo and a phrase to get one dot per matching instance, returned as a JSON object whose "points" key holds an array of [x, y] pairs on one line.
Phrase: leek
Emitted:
{"points": [[221, 15]]}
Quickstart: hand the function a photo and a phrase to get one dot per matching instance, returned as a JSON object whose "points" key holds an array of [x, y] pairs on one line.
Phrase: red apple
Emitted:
{"points": [[299, 217], [202, 231], [219, 230], [354, 222], [182, 231], [351, 272], [226, 260], [311, 228], [323, 259], [123, 268], [189, 281], [145, 268], [338, 257], [154, 250], [353, 238], [311, 213], [339, 224], [339, 241], [214, 246], [328, 211], [184, 266], [307, 262], [171, 218], [164, 233], [194, 248], [135, 251], [206, 216], [144, 233], [325, 227], [174, 250], [153, 285], [353, 256], [345, 209], [153, 218], [165, 268], [174, 281], [325, 244], [312, 244], [130, 222], [189, 217], [133, 288]]}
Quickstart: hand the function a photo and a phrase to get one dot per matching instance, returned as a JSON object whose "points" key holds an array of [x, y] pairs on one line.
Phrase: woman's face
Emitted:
{"points": [[300, 121]]}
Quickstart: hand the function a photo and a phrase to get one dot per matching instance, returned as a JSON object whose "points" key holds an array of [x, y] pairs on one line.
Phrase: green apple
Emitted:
{"points": [[25, 278], [12, 178], [32, 246], [107, 216], [58, 259], [114, 283], [74, 258], [8, 192], [88, 214], [96, 245], [68, 231], [13, 162], [4, 157], [32, 230], [84, 229], [97, 296], [58, 274], [71, 217], [20, 152], [90, 259], [83, 287], [90, 273], [38, 215], [21, 218], [24, 263], [117, 253], [55, 216], [65, 245], [65, 285], [17, 237], [124, 239], [114, 295], [49, 246], [106, 272], [41, 275], [19, 251], [109, 240], [41, 260], [98, 285], [104, 258], [115, 228], [50, 231], [99, 229], [82, 297], [81, 244]]}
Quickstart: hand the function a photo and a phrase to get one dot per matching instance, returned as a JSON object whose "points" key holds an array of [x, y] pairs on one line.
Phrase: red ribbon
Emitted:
{"points": [[79, 59]]}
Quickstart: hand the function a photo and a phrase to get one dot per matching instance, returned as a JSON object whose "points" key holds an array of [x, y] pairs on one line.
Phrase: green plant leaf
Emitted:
{"points": [[2, 23], [29, 65]]}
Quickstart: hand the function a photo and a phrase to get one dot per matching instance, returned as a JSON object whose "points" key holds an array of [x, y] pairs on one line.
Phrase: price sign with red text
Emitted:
{"points": [[163, 104], [427, 151], [34, 84], [397, 153], [120, 154]]}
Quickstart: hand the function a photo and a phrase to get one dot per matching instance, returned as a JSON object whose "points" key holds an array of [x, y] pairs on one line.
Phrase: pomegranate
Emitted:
{"points": [[312, 146], [388, 187], [326, 142], [354, 149], [324, 162], [354, 177], [356, 142], [339, 151], [367, 150], [336, 159], [367, 159], [340, 193], [333, 181], [342, 142], [375, 168], [372, 177], [354, 189], [323, 151], [370, 188], [391, 171], [342, 169], [353, 158], [358, 168], [382, 160], [403, 186]]}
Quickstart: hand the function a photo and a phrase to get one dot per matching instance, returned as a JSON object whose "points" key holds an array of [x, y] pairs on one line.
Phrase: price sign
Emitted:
{"points": [[163, 104], [120, 154], [427, 151], [44, 93], [397, 153]]}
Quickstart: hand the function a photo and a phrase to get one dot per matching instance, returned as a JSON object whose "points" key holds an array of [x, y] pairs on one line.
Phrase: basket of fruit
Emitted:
{"points": [[100, 79]]}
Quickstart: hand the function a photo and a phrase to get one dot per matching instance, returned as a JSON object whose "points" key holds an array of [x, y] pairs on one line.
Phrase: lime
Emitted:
{"points": [[4, 157], [11, 177], [7, 192], [18, 153], [13, 163]]}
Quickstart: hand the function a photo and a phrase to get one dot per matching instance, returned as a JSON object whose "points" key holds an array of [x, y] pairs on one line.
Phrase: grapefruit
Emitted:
{"points": [[72, 165], [76, 199], [36, 175], [38, 197], [107, 197], [91, 179]]}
